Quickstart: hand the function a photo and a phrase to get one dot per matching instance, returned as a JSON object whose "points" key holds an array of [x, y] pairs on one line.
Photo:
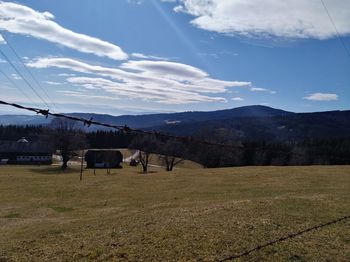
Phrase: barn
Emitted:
{"points": [[103, 158], [23, 152]]}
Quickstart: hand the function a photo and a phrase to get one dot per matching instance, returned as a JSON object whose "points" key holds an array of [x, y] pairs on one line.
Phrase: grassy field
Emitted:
{"points": [[186, 215]]}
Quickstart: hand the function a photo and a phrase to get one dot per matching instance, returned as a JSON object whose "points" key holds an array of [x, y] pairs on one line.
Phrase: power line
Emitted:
{"points": [[24, 79], [335, 28], [27, 69], [159, 135], [287, 237], [15, 85]]}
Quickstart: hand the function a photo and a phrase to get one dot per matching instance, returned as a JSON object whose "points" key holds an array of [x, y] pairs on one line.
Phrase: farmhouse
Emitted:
{"points": [[25, 152], [103, 158]]}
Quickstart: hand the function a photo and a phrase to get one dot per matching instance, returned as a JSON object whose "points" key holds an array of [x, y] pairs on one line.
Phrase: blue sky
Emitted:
{"points": [[134, 56]]}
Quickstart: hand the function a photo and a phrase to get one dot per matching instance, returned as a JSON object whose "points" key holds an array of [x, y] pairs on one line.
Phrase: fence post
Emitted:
{"points": [[82, 165]]}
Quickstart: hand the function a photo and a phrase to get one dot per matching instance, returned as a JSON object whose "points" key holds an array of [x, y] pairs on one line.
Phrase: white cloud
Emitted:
{"points": [[165, 68], [258, 89], [322, 97], [20, 19], [2, 40], [16, 77], [287, 18], [136, 2], [157, 94], [53, 83], [65, 74], [82, 95], [159, 81], [237, 99], [142, 56]]}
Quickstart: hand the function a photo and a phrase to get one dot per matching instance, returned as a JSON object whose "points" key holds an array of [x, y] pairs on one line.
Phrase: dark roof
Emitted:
{"points": [[102, 149], [13, 147]]}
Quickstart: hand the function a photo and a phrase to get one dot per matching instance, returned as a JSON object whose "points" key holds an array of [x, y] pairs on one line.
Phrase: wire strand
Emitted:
{"points": [[28, 71], [335, 28], [17, 86], [284, 238], [24, 79]]}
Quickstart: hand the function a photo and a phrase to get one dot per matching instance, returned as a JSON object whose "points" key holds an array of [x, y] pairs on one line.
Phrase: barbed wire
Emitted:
{"points": [[126, 129], [287, 237]]}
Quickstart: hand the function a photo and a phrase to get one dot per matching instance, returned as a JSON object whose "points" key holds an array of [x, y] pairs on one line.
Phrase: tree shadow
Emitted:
{"points": [[51, 170], [147, 173]]}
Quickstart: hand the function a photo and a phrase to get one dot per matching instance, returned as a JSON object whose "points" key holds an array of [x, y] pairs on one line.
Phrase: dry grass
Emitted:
{"points": [[185, 215]]}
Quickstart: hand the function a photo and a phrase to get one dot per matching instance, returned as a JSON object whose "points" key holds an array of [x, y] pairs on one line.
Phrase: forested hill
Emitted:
{"points": [[150, 120], [298, 126], [243, 123]]}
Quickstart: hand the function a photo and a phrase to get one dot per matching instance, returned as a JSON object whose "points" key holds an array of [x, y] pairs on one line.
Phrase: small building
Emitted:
{"points": [[103, 158], [23, 152]]}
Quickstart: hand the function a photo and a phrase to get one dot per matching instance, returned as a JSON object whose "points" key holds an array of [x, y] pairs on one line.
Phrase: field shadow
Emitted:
{"points": [[148, 173], [53, 171]]}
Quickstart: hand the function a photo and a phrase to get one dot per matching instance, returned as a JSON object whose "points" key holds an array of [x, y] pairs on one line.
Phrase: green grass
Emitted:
{"points": [[190, 214], [12, 215]]}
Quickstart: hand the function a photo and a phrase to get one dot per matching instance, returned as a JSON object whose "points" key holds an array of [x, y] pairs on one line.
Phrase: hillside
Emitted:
{"points": [[247, 123], [150, 120], [186, 215], [287, 127]]}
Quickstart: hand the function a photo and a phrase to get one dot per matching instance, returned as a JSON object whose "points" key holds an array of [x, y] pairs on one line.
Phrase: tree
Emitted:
{"points": [[146, 144], [67, 138], [171, 153], [213, 156]]}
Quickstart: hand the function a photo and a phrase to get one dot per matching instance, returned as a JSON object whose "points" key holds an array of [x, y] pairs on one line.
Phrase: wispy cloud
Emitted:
{"points": [[16, 77], [53, 83], [322, 97], [20, 19], [65, 74], [237, 98], [288, 18], [258, 89], [142, 56], [82, 95], [158, 81], [2, 40]]}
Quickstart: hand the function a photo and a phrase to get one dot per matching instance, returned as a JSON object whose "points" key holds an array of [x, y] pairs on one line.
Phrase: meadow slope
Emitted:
{"points": [[185, 215]]}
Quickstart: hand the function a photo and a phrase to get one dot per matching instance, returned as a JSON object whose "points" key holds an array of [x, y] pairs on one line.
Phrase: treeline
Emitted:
{"points": [[321, 151], [97, 139], [260, 153], [13, 132]]}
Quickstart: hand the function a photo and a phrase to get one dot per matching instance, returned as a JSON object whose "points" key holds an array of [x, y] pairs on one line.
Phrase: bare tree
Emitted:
{"points": [[172, 153], [67, 139], [147, 145]]}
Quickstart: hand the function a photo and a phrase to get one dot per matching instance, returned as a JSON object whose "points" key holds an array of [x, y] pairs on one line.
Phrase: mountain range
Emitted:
{"points": [[248, 122], [150, 120]]}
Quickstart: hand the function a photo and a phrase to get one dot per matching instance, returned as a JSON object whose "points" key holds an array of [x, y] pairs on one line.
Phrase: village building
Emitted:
{"points": [[23, 152], [103, 158]]}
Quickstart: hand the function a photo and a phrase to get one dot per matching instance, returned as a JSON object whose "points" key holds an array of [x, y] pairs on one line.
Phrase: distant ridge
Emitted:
{"points": [[248, 123], [150, 120]]}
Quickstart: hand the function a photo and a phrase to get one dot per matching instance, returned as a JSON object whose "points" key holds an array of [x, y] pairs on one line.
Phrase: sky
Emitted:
{"points": [[147, 56]]}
